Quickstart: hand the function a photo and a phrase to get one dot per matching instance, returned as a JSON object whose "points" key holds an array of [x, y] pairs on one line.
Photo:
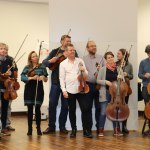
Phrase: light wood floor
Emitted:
{"points": [[20, 141]]}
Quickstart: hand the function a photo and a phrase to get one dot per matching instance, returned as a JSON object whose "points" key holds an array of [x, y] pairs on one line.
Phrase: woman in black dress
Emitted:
{"points": [[33, 76]]}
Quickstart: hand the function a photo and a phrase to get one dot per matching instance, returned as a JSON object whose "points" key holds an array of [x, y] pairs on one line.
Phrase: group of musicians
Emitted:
{"points": [[86, 80]]}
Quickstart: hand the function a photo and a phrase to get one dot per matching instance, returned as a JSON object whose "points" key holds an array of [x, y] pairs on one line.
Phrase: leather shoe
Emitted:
{"points": [[29, 132], [9, 128], [49, 130], [5, 132], [64, 131], [87, 134], [125, 130], [73, 133]]}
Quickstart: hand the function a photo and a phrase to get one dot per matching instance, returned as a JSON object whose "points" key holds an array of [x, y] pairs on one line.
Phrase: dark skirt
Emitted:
{"points": [[30, 96]]}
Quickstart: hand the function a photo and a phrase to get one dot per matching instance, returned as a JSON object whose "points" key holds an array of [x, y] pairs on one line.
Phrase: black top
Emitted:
{"points": [[111, 75], [55, 73]]}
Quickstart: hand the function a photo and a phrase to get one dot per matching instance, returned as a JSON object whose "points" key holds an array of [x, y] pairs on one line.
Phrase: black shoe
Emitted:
{"points": [[49, 130], [147, 133], [64, 131], [29, 132], [87, 134], [73, 133], [9, 128], [125, 130], [39, 132]]}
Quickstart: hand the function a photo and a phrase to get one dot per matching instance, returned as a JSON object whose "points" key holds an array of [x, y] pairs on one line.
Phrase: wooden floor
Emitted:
{"points": [[20, 141]]}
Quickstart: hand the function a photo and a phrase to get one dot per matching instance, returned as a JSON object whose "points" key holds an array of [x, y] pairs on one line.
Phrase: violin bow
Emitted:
{"points": [[130, 49], [16, 61], [13, 62], [86, 47], [104, 54]]}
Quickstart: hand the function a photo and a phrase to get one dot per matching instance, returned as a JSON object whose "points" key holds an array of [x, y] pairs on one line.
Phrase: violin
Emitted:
{"points": [[117, 109], [98, 86], [31, 72], [10, 93], [4, 76], [16, 84], [60, 58], [83, 87]]}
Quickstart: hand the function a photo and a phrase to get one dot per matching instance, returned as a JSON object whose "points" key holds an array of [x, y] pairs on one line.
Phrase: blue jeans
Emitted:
{"points": [[103, 105], [53, 102], [93, 97], [102, 116]]}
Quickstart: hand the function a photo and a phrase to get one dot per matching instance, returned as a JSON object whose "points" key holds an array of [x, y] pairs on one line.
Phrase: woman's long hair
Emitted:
{"points": [[124, 52], [30, 64]]}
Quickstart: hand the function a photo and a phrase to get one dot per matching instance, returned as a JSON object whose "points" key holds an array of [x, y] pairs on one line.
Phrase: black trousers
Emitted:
{"points": [[37, 116], [4, 110], [85, 110], [93, 97]]}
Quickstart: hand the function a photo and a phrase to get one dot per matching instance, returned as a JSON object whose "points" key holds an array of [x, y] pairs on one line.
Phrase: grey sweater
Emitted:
{"points": [[101, 79], [129, 70]]}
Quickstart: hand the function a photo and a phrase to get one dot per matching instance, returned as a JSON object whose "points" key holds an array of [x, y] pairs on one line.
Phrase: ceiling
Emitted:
{"points": [[33, 1]]}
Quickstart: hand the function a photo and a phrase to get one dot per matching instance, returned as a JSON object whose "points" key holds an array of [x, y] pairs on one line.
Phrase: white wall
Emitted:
{"points": [[17, 20], [143, 34], [143, 28], [111, 22]]}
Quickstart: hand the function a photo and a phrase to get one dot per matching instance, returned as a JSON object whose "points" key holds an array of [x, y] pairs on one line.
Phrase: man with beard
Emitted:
{"points": [[93, 63], [55, 91]]}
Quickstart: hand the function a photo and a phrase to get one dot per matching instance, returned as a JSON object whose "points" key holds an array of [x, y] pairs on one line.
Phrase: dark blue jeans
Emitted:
{"points": [[3, 110], [54, 95], [93, 97], [145, 94]]}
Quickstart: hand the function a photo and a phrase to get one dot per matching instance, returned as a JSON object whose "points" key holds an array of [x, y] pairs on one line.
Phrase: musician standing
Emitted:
{"points": [[33, 75], [106, 76], [122, 57], [69, 71], [5, 63], [144, 74], [91, 61], [55, 90], [8, 124]]}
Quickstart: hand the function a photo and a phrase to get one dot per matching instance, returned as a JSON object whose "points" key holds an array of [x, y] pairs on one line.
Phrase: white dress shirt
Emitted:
{"points": [[68, 74]]}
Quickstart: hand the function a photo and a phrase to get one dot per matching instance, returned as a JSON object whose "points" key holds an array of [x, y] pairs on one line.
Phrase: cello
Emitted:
{"points": [[117, 110], [147, 109], [127, 79]]}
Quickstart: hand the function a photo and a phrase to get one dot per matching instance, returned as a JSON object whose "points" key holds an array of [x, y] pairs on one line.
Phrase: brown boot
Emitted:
{"points": [[101, 132], [117, 132]]}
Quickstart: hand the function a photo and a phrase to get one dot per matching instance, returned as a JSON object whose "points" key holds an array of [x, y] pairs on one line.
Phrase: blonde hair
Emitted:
{"points": [[29, 59], [5, 45]]}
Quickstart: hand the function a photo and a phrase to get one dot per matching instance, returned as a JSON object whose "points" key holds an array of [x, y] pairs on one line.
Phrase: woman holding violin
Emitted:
{"points": [[123, 56], [5, 75], [72, 75], [106, 76], [33, 75], [144, 74]]}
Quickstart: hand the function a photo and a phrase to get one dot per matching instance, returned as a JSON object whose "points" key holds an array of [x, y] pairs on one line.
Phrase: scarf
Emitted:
{"points": [[111, 67]]}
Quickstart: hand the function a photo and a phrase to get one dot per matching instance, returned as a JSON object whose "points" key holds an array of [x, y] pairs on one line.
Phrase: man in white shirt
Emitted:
{"points": [[69, 71]]}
